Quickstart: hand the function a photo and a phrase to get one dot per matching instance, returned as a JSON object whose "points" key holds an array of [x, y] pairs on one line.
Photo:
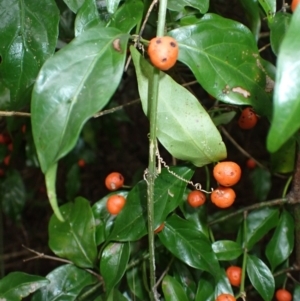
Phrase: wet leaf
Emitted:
{"points": [[172, 290], [227, 250]]}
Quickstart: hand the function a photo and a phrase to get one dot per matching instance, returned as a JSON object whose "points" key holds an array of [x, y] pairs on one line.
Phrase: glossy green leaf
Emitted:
{"points": [[206, 288], [103, 219], [259, 223], [115, 295], [182, 273], [131, 222], [135, 283], [172, 290], [13, 195], [78, 74], [186, 242], [278, 29], [112, 5], [269, 6], [196, 215], [227, 249], [283, 160], [233, 71], [223, 118], [87, 17], [113, 263], [286, 119], [29, 31], [127, 16], [281, 244], [182, 123], [251, 10], [260, 277], [74, 239], [17, 285], [223, 286], [261, 182], [179, 5], [74, 5], [66, 283]]}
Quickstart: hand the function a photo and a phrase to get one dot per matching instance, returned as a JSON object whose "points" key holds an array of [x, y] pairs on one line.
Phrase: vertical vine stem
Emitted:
{"points": [[152, 101]]}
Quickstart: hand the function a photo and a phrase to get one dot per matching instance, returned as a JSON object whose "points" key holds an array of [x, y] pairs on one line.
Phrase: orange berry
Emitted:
{"points": [[114, 181], [225, 297], [283, 295], [227, 173], [163, 52], [234, 274], [6, 160], [115, 204], [248, 119], [10, 147], [81, 163], [223, 197], [2, 172], [196, 198], [294, 5], [251, 163], [5, 139], [160, 228]]}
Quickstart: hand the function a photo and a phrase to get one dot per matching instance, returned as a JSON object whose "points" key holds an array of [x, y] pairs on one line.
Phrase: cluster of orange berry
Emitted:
{"points": [[234, 275], [227, 174]]}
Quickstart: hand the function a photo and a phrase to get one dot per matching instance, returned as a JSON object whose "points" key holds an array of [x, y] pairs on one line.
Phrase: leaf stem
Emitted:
{"points": [[151, 174], [242, 286]]}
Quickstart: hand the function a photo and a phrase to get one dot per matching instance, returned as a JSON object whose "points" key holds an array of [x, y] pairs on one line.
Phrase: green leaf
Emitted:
{"points": [[281, 244], [135, 283], [179, 5], [223, 118], [182, 123], [115, 295], [103, 219], [74, 5], [286, 119], [261, 277], [127, 16], [206, 288], [112, 5], [29, 31], [259, 223], [13, 195], [87, 17], [196, 215], [283, 160], [17, 285], [186, 242], [172, 290], [113, 263], [66, 283], [227, 250], [261, 181], [269, 6], [251, 10], [278, 29], [87, 64], [74, 239], [233, 71], [131, 222], [183, 274]]}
